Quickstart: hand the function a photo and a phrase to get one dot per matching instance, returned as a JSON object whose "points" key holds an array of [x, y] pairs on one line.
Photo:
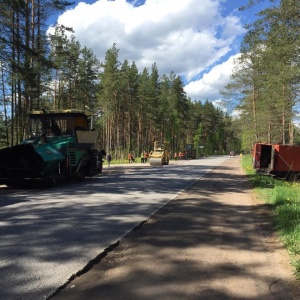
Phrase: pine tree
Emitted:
{"points": [[109, 94], [24, 52], [270, 66]]}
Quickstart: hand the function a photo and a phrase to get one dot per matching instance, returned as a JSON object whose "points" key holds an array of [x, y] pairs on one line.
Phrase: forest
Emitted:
{"points": [[264, 90], [132, 109]]}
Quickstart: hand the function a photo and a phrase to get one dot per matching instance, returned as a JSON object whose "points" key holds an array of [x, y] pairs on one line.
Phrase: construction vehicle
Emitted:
{"points": [[160, 155], [60, 146], [190, 152], [277, 160]]}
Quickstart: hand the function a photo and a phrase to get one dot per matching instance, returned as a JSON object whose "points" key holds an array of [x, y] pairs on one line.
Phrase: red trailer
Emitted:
{"points": [[276, 159]]}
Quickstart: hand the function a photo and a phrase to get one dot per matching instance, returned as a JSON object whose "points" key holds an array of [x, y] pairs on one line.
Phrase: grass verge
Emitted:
{"points": [[284, 199]]}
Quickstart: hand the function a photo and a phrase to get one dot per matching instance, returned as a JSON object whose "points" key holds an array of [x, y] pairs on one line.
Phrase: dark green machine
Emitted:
{"points": [[60, 146]]}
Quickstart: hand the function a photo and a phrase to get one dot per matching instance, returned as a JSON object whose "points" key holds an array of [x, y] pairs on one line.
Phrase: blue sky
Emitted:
{"points": [[196, 39]]}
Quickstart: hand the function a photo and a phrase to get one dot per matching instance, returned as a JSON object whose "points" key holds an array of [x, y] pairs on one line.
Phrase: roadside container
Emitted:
{"points": [[276, 159]]}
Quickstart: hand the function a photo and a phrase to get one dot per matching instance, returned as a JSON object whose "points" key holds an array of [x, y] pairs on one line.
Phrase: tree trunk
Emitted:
{"points": [[254, 113]]}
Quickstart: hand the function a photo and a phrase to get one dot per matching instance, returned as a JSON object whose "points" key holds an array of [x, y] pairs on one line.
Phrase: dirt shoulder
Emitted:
{"points": [[214, 241]]}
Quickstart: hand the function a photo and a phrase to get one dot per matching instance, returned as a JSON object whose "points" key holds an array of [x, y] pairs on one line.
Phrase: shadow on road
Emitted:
{"points": [[205, 244]]}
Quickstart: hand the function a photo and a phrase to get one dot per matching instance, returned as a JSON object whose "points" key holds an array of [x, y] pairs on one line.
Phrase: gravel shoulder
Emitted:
{"points": [[213, 241]]}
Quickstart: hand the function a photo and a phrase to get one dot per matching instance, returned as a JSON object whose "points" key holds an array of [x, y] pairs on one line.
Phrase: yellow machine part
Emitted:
{"points": [[158, 158], [155, 161]]}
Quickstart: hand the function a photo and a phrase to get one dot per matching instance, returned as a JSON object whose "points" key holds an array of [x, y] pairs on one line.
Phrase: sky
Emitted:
{"points": [[196, 39]]}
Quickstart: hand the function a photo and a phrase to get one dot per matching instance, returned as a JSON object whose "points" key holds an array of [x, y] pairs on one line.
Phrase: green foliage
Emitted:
{"points": [[24, 58], [266, 77], [283, 198], [215, 130], [139, 108], [75, 74], [3, 140]]}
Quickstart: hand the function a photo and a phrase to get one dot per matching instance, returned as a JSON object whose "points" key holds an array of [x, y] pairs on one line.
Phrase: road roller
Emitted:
{"points": [[160, 155]]}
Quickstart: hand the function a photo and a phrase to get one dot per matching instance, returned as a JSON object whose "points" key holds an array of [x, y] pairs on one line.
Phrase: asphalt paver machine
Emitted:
{"points": [[60, 145]]}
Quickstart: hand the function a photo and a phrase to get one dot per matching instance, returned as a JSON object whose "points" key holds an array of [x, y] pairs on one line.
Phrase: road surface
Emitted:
{"points": [[213, 241], [49, 235]]}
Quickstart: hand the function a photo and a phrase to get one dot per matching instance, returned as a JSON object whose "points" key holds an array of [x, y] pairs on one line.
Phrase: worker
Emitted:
{"points": [[108, 158], [129, 157], [181, 155], [55, 130], [175, 155]]}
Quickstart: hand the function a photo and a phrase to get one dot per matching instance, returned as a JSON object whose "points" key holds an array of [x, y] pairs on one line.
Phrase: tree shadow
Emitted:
{"points": [[78, 231]]}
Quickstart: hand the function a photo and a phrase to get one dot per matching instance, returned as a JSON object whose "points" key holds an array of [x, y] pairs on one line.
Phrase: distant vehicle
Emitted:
{"points": [[190, 152], [232, 153]]}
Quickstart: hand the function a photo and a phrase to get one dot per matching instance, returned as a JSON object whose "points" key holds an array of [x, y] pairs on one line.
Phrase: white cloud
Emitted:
{"points": [[184, 36], [212, 82]]}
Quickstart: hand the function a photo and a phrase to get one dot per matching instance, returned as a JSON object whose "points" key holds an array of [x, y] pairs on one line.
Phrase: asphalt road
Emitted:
{"points": [[214, 241], [48, 236]]}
